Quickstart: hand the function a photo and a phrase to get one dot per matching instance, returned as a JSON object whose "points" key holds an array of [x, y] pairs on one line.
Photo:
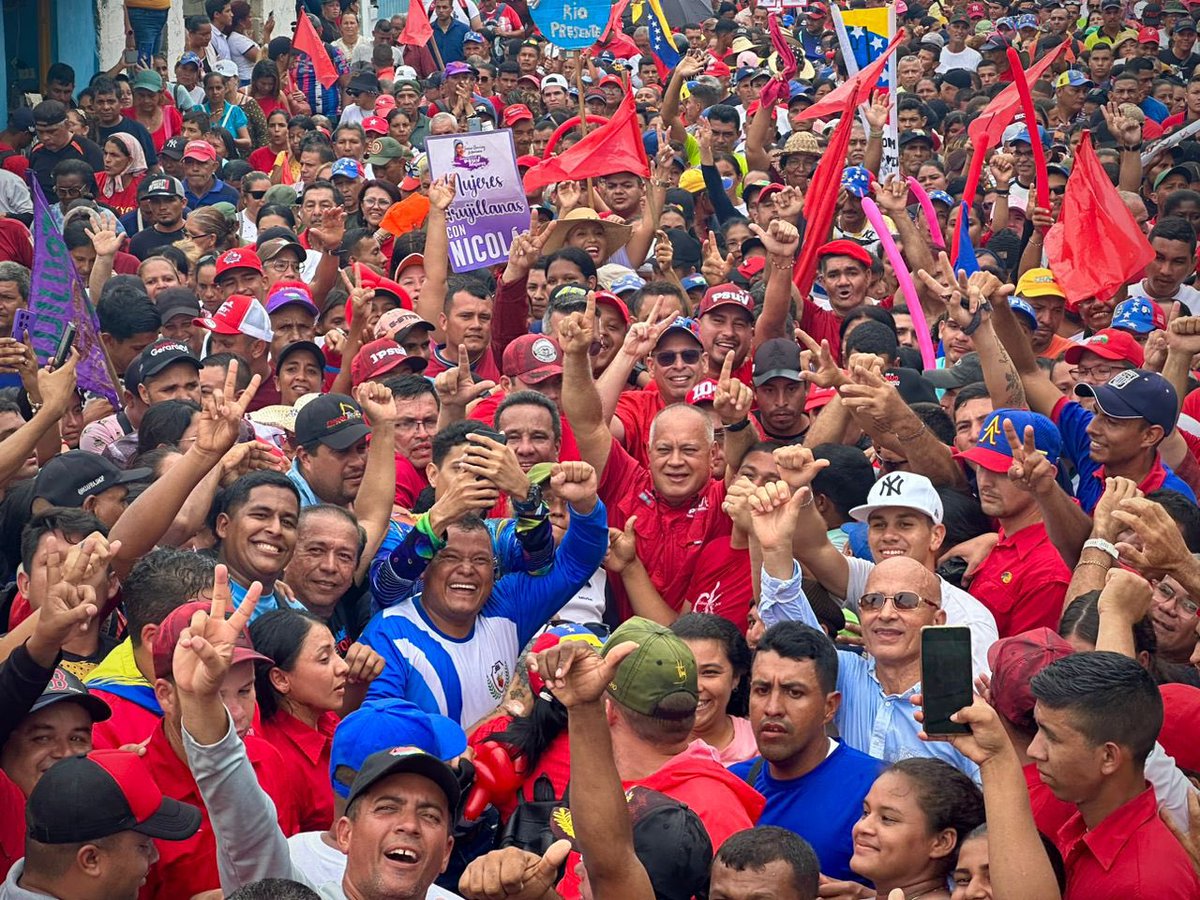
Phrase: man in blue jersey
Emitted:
{"points": [[814, 785], [453, 647]]}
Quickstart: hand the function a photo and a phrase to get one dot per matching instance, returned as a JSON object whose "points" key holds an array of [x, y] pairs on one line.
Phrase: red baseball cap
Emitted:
{"points": [[374, 125], [386, 286], [238, 258], [726, 295], [769, 191], [1109, 343], [1014, 661], [532, 358], [239, 314], [976, 10], [752, 266], [702, 392], [201, 150], [163, 650], [1149, 35], [380, 356], [1181, 713], [844, 247], [528, 162], [518, 112], [606, 298]]}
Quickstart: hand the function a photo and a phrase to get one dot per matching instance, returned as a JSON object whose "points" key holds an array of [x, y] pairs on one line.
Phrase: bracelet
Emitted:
{"points": [[1000, 193], [1102, 545], [740, 426], [1136, 148], [1092, 562], [904, 439], [876, 134]]}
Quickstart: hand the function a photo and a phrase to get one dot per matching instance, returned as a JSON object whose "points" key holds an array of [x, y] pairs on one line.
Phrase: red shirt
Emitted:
{"points": [[721, 583], [185, 868], [671, 540], [263, 159], [123, 201], [131, 723], [823, 324], [1023, 581], [484, 368], [1129, 854], [12, 823], [409, 482], [636, 410], [17, 164], [485, 411], [1049, 813], [171, 125], [16, 244], [305, 753]]}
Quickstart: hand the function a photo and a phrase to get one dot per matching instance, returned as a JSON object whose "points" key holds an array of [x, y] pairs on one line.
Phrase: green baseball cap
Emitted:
{"points": [[662, 667], [384, 150]]}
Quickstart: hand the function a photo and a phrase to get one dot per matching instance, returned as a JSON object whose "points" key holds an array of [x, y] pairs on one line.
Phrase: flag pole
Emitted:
{"points": [[437, 54], [591, 188]]}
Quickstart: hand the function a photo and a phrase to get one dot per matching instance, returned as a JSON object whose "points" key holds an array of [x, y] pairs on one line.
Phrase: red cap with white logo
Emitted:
{"points": [[382, 356]]}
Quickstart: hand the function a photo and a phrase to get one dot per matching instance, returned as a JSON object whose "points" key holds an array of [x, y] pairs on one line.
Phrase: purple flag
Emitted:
{"points": [[57, 296]]}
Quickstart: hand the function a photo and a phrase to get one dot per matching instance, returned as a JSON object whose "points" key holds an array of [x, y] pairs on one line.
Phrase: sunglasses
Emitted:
{"points": [[667, 358], [257, 195], [903, 600]]}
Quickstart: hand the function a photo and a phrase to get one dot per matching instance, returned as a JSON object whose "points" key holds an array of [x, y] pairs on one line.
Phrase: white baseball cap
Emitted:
{"points": [[903, 489], [226, 68], [555, 81]]}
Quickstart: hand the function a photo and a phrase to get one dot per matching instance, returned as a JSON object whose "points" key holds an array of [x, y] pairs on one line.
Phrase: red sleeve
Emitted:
{"points": [[510, 314], [15, 243], [822, 324], [622, 476]]}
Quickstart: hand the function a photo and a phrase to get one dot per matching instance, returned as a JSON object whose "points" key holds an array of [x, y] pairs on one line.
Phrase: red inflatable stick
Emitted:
{"points": [[1031, 125]]}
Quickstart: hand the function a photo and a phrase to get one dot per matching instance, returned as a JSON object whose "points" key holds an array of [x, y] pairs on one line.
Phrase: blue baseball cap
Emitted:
{"points": [[1138, 315], [347, 168], [1022, 136], [691, 282], [941, 197], [1135, 394], [1072, 78], [682, 325], [189, 59], [625, 283], [857, 181], [1022, 307], [1026, 20], [383, 724], [992, 450]]}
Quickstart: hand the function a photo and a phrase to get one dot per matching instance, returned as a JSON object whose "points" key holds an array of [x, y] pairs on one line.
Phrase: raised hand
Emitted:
{"points": [[704, 137], [1183, 335], [575, 673], [1116, 490], [103, 234], [327, 234], [365, 664], [797, 466], [578, 330], [664, 252], [377, 404], [714, 267], [461, 496], [526, 248], [71, 602], [949, 288], [442, 192], [642, 338], [248, 457], [774, 511], [1003, 168], [488, 458], [878, 111], [789, 203], [1162, 550], [221, 414], [737, 502], [891, 196], [691, 65], [622, 547], [1030, 470], [1126, 130], [733, 398], [205, 649], [1125, 594], [360, 302], [57, 386], [871, 400], [574, 482], [569, 195], [780, 238], [827, 374], [987, 738], [457, 386]]}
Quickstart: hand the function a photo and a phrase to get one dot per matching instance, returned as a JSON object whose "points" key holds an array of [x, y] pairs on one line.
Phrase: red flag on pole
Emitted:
{"points": [[1102, 247], [859, 87], [417, 30], [820, 201], [307, 41], [615, 146]]}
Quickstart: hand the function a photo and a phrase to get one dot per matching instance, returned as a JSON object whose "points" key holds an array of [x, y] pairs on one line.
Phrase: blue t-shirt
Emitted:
{"points": [[821, 806]]}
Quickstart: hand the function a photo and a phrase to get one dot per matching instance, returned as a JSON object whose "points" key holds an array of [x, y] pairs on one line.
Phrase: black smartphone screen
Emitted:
{"points": [[946, 676], [64, 345]]}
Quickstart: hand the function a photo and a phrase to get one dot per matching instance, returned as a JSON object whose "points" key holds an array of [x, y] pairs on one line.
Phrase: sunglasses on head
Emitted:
{"points": [[905, 600], [667, 357]]}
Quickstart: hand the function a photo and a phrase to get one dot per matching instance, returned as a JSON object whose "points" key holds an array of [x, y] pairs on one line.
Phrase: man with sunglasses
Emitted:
{"points": [[898, 598], [903, 513]]}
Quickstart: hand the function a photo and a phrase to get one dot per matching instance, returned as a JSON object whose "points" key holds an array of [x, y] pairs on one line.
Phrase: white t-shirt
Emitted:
{"points": [[324, 865], [238, 45], [960, 608], [588, 603], [964, 59], [464, 11], [1187, 295]]}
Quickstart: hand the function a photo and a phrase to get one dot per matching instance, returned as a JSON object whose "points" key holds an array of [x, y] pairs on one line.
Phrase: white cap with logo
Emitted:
{"points": [[903, 489]]}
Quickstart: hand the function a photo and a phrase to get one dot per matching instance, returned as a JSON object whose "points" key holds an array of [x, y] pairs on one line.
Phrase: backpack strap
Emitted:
{"points": [[754, 771]]}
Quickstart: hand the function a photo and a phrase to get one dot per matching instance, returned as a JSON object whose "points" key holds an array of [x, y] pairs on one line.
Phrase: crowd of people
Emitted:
{"points": [[605, 572]]}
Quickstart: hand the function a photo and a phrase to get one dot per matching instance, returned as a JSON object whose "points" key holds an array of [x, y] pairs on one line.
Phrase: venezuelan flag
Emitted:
{"points": [[660, 36], [866, 36]]}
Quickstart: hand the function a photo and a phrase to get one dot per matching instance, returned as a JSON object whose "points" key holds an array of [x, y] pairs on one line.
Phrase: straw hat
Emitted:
{"points": [[615, 235]]}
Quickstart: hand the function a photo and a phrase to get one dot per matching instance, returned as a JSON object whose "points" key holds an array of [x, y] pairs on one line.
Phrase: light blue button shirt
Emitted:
{"points": [[880, 724]]}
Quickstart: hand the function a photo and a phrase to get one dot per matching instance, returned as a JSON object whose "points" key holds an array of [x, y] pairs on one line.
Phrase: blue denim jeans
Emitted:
{"points": [[147, 25]]}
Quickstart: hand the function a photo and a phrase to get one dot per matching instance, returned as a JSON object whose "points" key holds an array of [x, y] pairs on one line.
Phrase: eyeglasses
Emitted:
{"points": [[1096, 373], [1058, 190], [69, 191], [667, 358], [1185, 604], [429, 426], [902, 600], [256, 195], [283, 265]]}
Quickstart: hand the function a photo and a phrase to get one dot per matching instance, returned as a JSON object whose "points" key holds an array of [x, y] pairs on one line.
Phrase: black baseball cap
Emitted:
{"points": [[399, 760], [64, 687], [173, 147], [297, 347], [70, 478], [333, 419], [177, 301], [166, 186], [21, 119], [776, 358], [106, 792], [165, 353]]}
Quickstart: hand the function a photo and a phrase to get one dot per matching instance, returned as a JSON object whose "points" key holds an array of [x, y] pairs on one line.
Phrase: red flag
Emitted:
{"points": [[820, 200], [1102, 248], [614, 19], [776, 90], [987, 127], [417, 30], [616, 146], [307, 41], [859, 87]]}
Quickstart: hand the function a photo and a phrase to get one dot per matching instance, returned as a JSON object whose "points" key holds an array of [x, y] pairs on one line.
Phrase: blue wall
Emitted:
{"points": [[75, 37], [73, 40]]}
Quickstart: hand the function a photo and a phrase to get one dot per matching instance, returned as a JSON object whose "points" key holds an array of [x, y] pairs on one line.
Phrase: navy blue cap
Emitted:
{"points": [[1135, 394]]}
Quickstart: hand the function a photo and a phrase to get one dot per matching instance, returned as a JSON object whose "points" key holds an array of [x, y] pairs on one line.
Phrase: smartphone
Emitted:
{"points": [[64, 345], [23, 324], [946, 677], [498, 436], [131, 57], [474, 124]]}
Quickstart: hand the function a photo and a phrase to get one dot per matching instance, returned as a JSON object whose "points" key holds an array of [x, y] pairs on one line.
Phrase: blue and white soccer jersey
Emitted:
{"points": [[465, 679]]}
